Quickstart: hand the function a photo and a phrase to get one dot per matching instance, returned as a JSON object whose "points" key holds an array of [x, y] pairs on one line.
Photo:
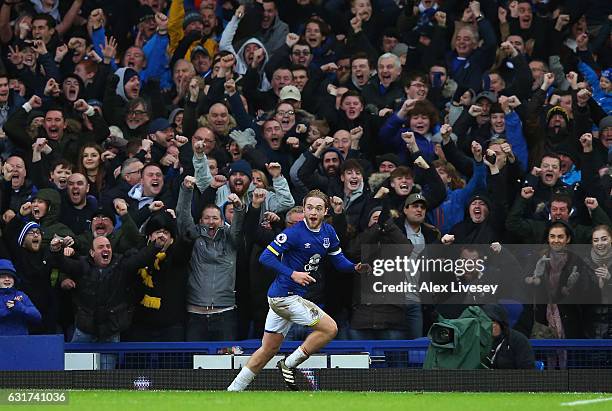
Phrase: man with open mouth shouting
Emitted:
{"points": [[99, 284], [103, 224]]}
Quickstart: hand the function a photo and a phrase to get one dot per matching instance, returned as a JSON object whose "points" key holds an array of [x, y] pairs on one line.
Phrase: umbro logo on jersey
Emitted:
{"points": [[307, 245]]}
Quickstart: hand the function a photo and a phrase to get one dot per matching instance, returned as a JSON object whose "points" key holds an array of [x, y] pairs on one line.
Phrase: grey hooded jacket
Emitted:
{"points": [[212, 273]]}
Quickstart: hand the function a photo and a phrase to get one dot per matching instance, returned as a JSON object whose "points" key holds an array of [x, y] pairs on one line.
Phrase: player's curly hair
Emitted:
{"points": [[318, 194]]}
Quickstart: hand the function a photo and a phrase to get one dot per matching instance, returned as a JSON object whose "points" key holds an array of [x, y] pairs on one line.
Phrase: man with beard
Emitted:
{"points": [[293, 52], [321, 165], [30, 260], [77, 206], [161, 133], [211, 300], [17, 188], [412, 222], [103, 225], [239, 181], [148, 196], [532, 231], [563, 123]]}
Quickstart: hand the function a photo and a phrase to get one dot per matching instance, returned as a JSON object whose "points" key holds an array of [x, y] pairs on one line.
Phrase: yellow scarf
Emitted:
{"points": [[147, 280]]}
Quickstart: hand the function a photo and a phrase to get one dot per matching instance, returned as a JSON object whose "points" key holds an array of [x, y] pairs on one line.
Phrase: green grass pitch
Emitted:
{"points": [[333, 401]]}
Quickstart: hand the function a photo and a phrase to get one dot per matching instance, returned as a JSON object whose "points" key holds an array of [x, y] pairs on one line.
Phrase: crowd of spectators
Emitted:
{"points": [[152, 149]]}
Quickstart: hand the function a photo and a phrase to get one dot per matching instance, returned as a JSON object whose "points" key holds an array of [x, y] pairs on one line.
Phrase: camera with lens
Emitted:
{"points": [[442, 334]]}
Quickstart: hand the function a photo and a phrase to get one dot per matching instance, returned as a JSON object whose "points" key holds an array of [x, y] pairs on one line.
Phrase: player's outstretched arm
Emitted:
{"points": [[341, 263]]}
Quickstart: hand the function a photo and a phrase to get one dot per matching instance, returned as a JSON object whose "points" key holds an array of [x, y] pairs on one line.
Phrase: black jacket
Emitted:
{"points": [[162, 293], [514, 352], [101, 295], [375, 316]]}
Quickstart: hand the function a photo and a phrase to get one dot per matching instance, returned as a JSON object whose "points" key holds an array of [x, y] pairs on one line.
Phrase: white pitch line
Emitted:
{"points": [[584, 402]]}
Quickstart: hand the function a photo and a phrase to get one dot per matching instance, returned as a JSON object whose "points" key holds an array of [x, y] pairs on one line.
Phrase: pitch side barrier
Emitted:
{"points": [[587, 367], [382, 379], [553, 354]]}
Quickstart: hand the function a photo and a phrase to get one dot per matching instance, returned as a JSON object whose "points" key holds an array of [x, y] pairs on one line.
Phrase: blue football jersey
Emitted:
{"points": [[301, 249]]}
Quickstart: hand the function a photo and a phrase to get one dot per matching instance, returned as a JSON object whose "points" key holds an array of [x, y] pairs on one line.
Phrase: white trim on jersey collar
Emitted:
{"points": [[310, 229]]}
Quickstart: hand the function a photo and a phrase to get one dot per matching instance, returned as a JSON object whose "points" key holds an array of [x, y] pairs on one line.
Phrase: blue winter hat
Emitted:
{"points": [[7, 267], [241, 166], [159, 124], [607, 73], [24, 231]]}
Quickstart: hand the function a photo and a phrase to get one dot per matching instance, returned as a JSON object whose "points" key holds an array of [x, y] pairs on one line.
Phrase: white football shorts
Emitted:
{"points": [[293, 309]]}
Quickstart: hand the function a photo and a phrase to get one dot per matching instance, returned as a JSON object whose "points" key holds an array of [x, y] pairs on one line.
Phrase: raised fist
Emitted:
{"points": [[156, 206], [274, 169], [337, 204], [81, 105], [445, 131], [292, 39], [189, 182], [35, 101], [235, 200], [475, 110], [586, 140], [218, 181], [591, 203], [527, 192], [121, 206], [476, 151], [259, 196]]}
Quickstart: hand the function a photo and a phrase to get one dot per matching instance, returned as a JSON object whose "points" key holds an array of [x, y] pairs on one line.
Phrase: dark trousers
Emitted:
{"points": [[212, 327]]}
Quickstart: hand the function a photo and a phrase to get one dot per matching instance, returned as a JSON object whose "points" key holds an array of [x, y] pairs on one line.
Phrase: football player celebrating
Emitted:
{"points": [[295, 255]]}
